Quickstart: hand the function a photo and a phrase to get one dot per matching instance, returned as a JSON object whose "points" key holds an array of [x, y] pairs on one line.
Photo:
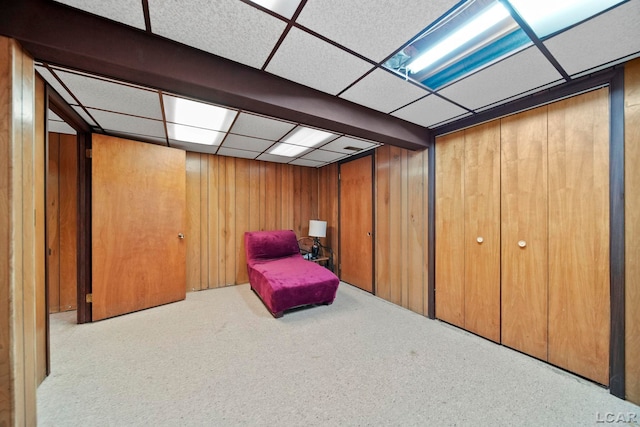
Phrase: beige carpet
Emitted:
{"points": [[219, 359]]}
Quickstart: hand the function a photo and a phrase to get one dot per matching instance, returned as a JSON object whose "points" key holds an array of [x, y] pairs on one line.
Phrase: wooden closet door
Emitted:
{"points": [[450, 228], [524, 235], [482, 230], [579, 235], [356, 218], [138, 197]]}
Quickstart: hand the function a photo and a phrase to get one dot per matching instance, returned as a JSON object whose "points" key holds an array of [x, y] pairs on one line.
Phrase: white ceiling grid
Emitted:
{"points": [[310, 61], [231, 29], [383, 91], [373, 30]]}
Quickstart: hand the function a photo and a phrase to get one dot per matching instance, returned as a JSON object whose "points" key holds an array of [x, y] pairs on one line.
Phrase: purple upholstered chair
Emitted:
{"points": [[281, 277]]}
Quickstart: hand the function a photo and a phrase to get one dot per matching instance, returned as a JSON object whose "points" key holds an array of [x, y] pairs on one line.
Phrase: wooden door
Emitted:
{"points": [[356, 223], [138, 213], [482, 230], [579, 311], [524, 232], [450, 228]]}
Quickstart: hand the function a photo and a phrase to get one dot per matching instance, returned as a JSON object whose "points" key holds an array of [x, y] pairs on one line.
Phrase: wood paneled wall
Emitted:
{"points": [[227, 196], [328, 206], [19, 260], [401, 243], [632, 230], [62, 222]]}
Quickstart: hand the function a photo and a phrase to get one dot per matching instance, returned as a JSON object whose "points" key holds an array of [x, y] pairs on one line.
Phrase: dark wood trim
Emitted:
{"points": [[617, 242], [59, 106], [431, 224], [92, 44], [84, 228]]}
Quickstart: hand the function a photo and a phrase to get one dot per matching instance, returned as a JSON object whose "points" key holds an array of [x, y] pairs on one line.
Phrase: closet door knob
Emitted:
{"points": [[479, 239], [522, 243]]}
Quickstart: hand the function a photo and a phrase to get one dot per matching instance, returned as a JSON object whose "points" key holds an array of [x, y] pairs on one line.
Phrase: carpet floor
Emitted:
{"points": [[219, 359]]}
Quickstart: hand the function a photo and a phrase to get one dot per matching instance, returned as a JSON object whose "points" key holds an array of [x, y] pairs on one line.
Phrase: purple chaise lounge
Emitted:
{"points": [[281, 277]]}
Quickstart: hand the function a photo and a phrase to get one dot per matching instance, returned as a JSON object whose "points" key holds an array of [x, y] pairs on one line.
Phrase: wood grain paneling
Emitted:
{"points": [[193, 235], [383, 211], [62, 221], [53, 222], [68, 220], [579, 311], [356, 220], [416, 231], [632, 230], [328, 205], [482, 210], [450, 240], [18, 259], [138, 259], [396, 224], [40, 243], [524, 217], [228, 196]]}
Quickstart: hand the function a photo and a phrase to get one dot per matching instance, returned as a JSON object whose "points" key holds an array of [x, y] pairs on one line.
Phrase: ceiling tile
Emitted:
{"points": [[125, 123], [272, 158], [604, 39], [231, 29], [323, 156], [307, 60], [375, 29], [383, 91], [111, 96], [126, 11], [261, 127], [232, 152], [519, 73], [246, 143], [307, 163], [196, 148], [340, 145], [429, 111]]}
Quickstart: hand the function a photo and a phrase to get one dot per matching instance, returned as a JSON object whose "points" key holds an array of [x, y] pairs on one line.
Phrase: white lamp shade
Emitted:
{"points": [[317, 228]]}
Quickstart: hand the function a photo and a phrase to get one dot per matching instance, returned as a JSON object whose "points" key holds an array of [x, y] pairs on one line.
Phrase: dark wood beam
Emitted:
{"points": [[61, 35]]}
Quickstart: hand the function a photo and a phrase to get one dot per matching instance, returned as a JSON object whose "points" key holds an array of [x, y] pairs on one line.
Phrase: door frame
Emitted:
{"points": [[59, 106], [614, 79], [373, 215]]}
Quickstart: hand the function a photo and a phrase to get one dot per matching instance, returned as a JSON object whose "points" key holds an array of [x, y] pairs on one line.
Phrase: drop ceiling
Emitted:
{"points": [[333, 46]]}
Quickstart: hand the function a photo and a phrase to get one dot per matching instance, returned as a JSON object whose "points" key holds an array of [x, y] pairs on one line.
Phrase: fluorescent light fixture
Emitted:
{"points": [[287, 150], [307, 137], [192, 113], [285, 8], [546, 17], [480, 24], [194, 135]]}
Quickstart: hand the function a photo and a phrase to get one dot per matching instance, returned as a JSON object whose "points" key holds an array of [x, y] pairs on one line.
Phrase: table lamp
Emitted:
{"points": [[317, 229]]}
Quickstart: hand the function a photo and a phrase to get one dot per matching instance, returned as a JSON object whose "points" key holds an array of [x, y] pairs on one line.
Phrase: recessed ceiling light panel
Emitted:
{"points": [[192, 113]]}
